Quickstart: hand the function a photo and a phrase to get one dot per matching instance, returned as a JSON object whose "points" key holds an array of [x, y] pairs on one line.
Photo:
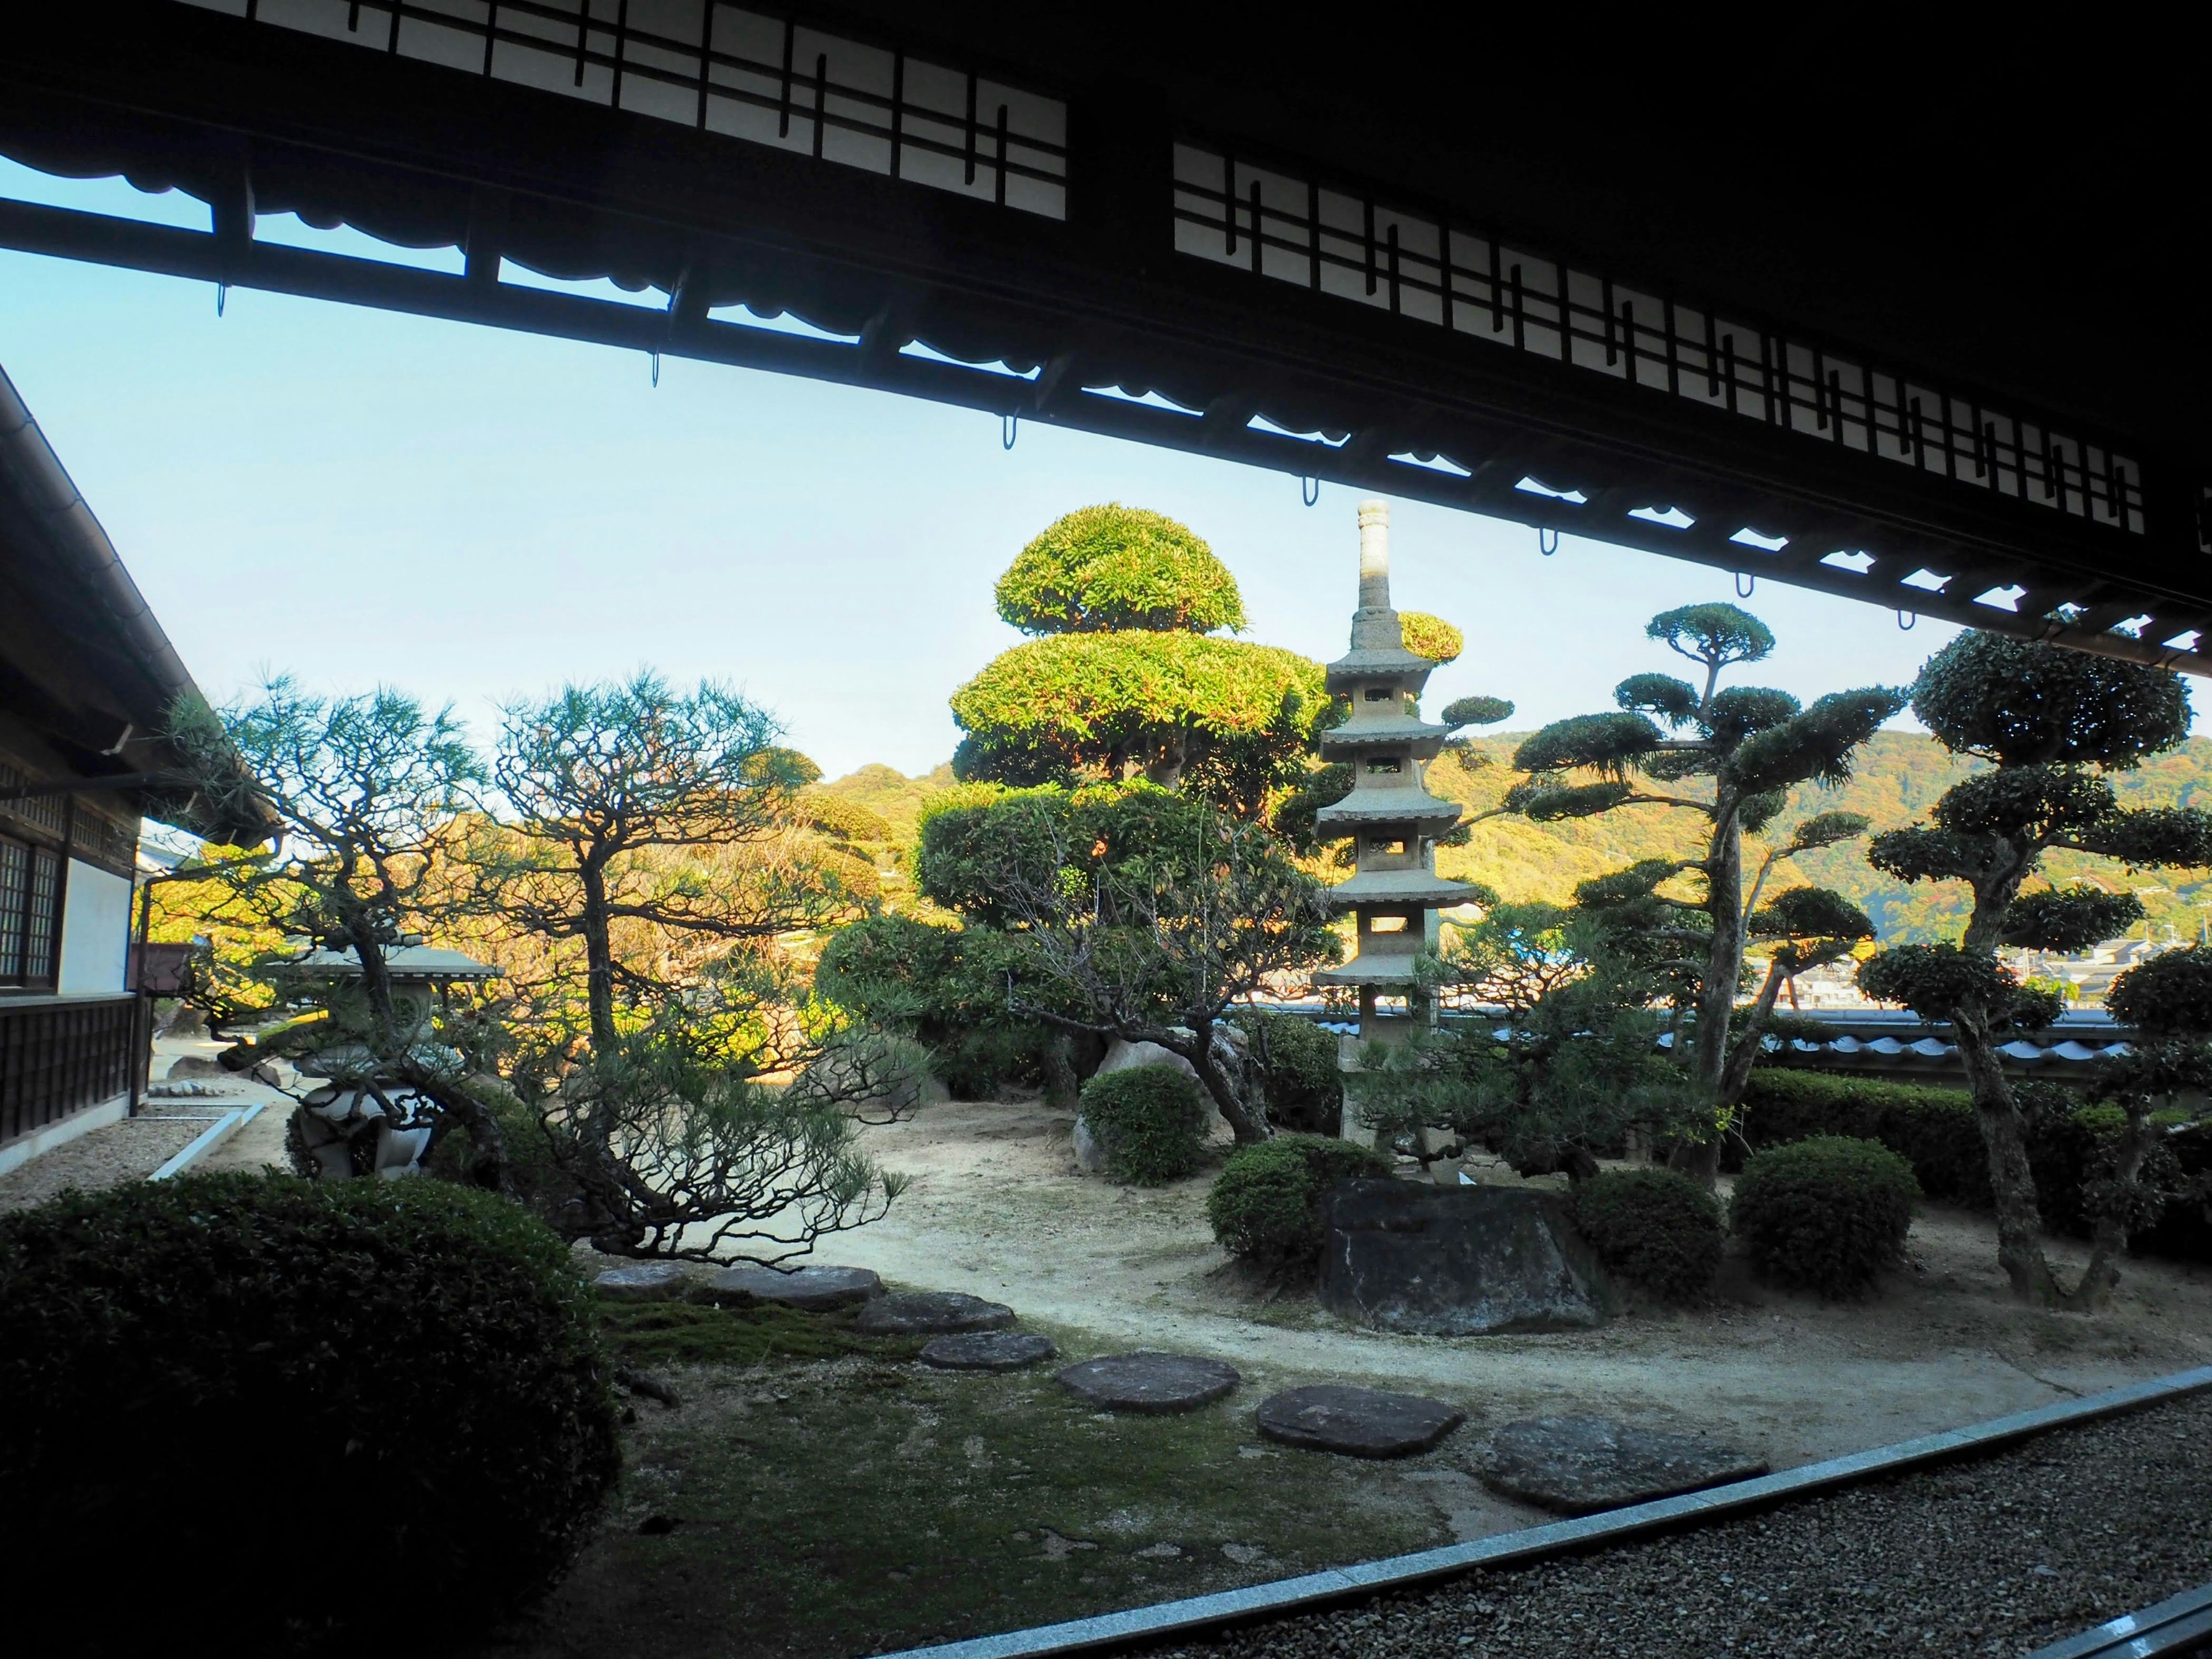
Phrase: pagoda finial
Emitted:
{"points": [[1374, 555]]}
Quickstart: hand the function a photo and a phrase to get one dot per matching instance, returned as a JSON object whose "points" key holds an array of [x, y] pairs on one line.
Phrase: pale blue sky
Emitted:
{"points": [[355, 496]]}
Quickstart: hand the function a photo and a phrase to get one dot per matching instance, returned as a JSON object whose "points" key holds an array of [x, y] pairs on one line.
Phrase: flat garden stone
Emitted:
{"points": [[813, 1289], [642, 1281], [1147, 1382], [1357, 1422], [921, 1313], [1579, 1464], [987, 1350]]}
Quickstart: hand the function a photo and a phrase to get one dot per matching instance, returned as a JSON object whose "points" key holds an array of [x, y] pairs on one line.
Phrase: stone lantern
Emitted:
{"points": [[1392, 818]]}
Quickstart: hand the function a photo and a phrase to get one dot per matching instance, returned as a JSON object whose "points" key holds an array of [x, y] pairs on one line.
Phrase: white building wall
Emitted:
{"points": [[95, 932]]}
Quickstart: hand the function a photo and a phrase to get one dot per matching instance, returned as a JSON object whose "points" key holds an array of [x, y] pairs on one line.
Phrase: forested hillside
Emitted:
{"points": [[1899, 775]]}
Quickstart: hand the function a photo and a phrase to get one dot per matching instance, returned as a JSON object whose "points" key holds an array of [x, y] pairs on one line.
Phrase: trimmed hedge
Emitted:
{"points": [[1656, 1227], [1298, 1061], [1936, 1131], [1150, 1119], [1266, 1204], [1826, 1214], [403, 1379]]}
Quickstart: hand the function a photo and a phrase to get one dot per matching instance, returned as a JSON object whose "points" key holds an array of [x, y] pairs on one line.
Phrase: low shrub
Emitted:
{"points": [[407, 1373], [1656, 1227], [1298, 1062], [946, 987], [1266, 1204], [1826, 1214], [1933, 1129], [1150, 1119]]}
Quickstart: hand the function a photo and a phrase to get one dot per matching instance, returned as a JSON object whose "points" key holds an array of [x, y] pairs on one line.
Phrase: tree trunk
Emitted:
{"points": [[1247, 1120], [2109, 1243], [1061, 1086], [599, 958], [2012, 1184], [1709, 1044]]}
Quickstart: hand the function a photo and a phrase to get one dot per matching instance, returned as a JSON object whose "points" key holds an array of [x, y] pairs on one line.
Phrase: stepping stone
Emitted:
{"points": [[1578, 1465], [813, 1289], [1154, 1382], [987, 1350], [642, 1281], [1357, 1422], [921, 1313]]}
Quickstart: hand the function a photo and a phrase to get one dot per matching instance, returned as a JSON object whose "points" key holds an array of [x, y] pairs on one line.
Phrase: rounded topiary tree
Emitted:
{"points": [[1656, 1227], [1266, 1205], [2051, 723], [1128, 678], [1107, 568], [1826, 1214], [1151, 1120], [406, 1373]]}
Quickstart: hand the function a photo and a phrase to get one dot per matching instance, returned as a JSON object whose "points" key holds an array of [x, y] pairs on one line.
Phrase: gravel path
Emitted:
{"points": [[1993, 1558], [129, 1150]]}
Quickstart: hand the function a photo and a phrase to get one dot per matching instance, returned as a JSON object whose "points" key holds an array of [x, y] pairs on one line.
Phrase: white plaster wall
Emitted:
{"points": [[95, 932]]}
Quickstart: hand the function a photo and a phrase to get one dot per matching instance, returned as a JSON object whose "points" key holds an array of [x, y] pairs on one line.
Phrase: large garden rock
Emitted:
{"points": [[185, 1067], [1155, 1384], [813, 1289], [1357, 1422], [987, 1350], [1090, 1151], [642, 1281], [1458, 1260], [922, 1313], [1578, 1465]]}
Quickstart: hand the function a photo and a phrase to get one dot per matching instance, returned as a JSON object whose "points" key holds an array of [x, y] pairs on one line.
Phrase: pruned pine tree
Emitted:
{"points": [[2051, 724], [655, 840], [1133, 912], [370, 793], [1562, 1067], [1755, 744]]}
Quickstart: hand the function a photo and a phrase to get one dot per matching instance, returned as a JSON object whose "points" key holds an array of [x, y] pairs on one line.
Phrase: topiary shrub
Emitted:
{"points": [[406, 1373], [1298, 1063], [1826, 1214], [1656, 1227], [1932, 1128], [1150, 1119], [1266, 1204]]}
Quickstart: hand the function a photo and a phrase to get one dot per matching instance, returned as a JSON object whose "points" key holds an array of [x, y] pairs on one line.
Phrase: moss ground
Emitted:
{"points": [[819, 1493]]}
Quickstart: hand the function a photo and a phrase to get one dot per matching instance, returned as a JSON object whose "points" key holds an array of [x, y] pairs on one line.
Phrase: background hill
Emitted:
{"points": [[1899, 776]]}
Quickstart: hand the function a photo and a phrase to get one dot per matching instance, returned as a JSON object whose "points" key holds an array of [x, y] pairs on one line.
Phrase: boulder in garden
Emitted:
{"points": [[1458, 1260]]}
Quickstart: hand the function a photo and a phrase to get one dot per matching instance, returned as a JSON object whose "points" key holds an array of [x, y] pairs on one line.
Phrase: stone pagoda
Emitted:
{"points": [[1394, 820]]}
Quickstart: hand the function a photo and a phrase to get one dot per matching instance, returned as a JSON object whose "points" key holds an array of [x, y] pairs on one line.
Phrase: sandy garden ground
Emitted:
{"points": [[822, 1502]]}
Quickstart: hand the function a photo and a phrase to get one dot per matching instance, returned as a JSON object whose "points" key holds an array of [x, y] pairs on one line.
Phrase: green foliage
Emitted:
{"points": [[1266, 1205], [1150, 1119], [1559, 1077], [1933, 1129], [1297, 812], [1654, 1227], [1298, 1068], [1810, 912], [1715, 634], [2070, 920], [841, 818], [1661, 695], [2168, 996], [1229, 719], [1740, 710], [1827, 1214], [2021, 702], [1815, 747], [408, 1369], [1113, 567], [1431, 637], [1541, 801], [1936, 981], [943, 987], [1477, 711], [1607, 744]]}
